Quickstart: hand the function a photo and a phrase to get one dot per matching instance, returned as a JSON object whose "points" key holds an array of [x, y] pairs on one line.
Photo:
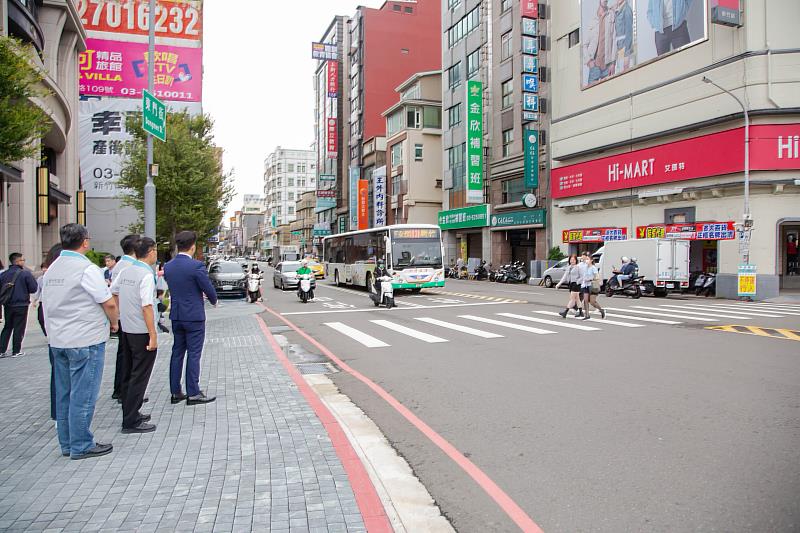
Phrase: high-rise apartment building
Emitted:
{"points": [[649, 136], [287, 174]]}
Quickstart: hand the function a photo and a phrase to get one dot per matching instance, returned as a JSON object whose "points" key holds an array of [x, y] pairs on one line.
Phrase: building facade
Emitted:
{"points": [[288, 173], [39, 195], [386, 46], [648, 136], [414, 151]]}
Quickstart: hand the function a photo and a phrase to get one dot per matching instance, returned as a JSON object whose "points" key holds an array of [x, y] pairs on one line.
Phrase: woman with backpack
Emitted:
{"points": [[573, 277]]}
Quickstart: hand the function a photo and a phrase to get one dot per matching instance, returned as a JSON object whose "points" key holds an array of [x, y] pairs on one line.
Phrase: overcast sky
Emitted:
{"points": [[258, 76]]}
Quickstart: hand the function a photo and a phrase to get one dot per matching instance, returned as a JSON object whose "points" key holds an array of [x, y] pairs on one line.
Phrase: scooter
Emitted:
{"points": [[386, 296], [304, 290], [516, 273], [480, 272], [253, 287], [630, 287], [709, 287]]}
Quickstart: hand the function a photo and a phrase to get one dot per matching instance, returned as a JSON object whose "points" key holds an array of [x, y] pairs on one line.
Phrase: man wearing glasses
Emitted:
{"points": [[16, 286]]}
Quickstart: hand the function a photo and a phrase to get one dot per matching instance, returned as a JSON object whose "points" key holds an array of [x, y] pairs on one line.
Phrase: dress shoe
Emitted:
{"points": [[200, 398], [177, 398], [145, 400], [97, 451], [143, 427], [145, 418]]}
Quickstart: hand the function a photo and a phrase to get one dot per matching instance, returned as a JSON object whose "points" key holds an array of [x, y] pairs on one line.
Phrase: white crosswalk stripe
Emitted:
{"points": [[563, 324], [640, 318], [689, 307], [767, 308], [457, 327], [698, 312], [511, 325], [426, 337], [603, 321], [367, 340], [665, 315]]}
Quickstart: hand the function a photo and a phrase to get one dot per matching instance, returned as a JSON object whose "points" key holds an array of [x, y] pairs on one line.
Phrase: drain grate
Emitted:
{"points": [[315, 368], [279, 329]]}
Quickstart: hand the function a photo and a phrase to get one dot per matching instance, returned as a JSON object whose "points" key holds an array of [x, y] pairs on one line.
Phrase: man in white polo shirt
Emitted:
{"points": [[128, 244], [135, 292], [78, 311]]}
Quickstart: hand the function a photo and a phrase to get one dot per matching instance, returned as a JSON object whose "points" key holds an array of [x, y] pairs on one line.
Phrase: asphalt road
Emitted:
{"points": [[664, 426]]}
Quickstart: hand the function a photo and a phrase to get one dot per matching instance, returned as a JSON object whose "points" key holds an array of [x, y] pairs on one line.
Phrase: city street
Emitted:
{"points": [[672, 414]]}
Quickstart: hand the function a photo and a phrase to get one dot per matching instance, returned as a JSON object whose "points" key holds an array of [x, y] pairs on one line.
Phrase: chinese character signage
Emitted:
{"points": [[530, 45], [333, 147], [530, 64], [576, 236], [530, 83], [122, 19], [353, 197], [465, 217], [333, 79], [379, 196], [154, 116], [693, 231], [747, 280], [363, 204], [119, 69], [529, 27], [528, 217], [529, 8], [324, 51], [726, 12], [531, 154], [474, 142], [530, 102]]}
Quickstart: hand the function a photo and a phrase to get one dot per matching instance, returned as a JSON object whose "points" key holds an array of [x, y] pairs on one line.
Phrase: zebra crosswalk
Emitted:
{"points": [[496, 325]]}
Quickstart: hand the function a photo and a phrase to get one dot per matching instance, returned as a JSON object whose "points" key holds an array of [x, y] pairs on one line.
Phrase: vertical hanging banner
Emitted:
{"points": [[379, 196], [363, 204], [531, 150], [474, 142], [333, 147], [353, 198], [333, 79]]}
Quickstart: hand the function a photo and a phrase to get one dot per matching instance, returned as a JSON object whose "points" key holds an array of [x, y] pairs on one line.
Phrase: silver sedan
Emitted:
{"points": [[284, 276]]}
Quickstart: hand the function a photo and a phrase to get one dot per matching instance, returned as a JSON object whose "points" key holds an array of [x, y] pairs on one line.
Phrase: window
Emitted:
{"points": [[397, 155], [460, 29], [311, 181], [412, 93], [290, 210], [473, 63], [417, 152], [454, 76], [301, 167], [505, 5], [396, 184], [505, 46], [513, 190], [508, 93], [394, 123], [301, 183], [280, 167], [280, 196], [431, 117], [413, 118], [454, 115], [290, 167], [452, 4], [396, 7], [456, 156], [291, 195], [408, 9], [290, 182], [508, 138], [574, 37]]}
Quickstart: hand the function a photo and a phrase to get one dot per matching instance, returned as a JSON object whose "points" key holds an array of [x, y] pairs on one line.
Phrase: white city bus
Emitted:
{"points": [[413, 254]]}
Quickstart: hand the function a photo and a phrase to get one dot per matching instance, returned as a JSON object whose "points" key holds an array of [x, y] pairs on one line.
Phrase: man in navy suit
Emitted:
{"points": [[187, 280]]}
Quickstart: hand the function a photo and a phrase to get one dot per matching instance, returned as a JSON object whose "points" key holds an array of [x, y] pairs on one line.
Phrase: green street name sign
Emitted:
{"points": [[465, 217], [531, 146], [474, 142], [529, 217], [154, 116]]}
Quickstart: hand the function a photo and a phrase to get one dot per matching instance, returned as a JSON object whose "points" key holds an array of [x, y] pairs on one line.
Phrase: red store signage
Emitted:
{"points": [[772, 147], [594, 235], [693, 231], [529, 8], [333, 79]]}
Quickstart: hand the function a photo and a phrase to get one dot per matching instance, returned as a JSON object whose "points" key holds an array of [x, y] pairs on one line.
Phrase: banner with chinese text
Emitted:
{"points": [[474, 142]]}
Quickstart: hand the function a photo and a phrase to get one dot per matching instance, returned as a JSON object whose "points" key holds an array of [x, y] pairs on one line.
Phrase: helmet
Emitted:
{"points": [[304, 262], [380, 261], [625, 259]]}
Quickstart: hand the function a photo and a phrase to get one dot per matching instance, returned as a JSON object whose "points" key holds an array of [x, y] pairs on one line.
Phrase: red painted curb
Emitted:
{"points": [[369, 503], [509, 506]]}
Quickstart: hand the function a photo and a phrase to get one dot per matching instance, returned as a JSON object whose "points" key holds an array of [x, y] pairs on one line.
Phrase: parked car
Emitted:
{"points": [[228, 278], [553, 275], [285, 276]]}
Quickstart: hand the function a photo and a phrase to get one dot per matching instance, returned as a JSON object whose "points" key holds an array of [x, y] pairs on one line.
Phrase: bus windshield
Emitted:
{"points": [[416, 253]]}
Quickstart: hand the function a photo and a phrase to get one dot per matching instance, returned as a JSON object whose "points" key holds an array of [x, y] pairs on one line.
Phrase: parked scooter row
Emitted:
{"points": [[509, 273]]}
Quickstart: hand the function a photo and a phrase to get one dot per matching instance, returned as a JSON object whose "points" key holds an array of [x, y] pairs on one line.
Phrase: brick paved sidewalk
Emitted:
{"points": [[258, 459]]}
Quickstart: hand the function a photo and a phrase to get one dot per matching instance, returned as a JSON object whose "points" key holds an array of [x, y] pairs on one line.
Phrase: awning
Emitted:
{"points": [[60, 197], [10, 174]]}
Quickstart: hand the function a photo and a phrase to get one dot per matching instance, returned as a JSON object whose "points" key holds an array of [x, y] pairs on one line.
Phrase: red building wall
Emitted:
{"points": [[387, 34]]}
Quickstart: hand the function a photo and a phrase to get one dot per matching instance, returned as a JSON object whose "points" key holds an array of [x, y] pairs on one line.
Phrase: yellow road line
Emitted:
{"points": [[775, 333]]}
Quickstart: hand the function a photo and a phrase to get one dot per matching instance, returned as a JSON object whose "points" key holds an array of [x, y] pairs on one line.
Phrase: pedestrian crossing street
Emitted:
{"points": [[496, 325]]}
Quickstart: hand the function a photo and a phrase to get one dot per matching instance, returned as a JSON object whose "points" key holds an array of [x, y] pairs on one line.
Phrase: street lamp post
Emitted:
{"points": [[747, 218], [150, 187]]}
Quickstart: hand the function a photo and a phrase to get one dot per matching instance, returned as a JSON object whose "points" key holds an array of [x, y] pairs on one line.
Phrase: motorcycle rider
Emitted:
{"points": [[627, 271], [302, 271], [255, 277], [380, 271]]}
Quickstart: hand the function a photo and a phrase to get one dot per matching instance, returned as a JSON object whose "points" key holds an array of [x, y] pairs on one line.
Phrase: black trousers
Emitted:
{"points": [[672, 38], [139, 364], [120, 366], [16, 321]]}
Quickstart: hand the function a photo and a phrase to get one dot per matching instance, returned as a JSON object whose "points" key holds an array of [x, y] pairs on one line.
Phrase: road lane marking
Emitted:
{"points": [[551, 322], [458, 327], [426, 337], [602, 320], [394, 309], [507, 324], [689, 307], [774, 333], [747, 309], [503, 500], [480, 297], [367, 340], [768, 308], [643, 319], [682, 309], [671, 314]]}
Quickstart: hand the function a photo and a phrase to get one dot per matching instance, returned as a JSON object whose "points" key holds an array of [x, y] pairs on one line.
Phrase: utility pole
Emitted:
{"points": [[150, 187]]}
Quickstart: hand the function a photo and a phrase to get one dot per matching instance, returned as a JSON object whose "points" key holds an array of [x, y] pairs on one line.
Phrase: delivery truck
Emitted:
{"points": [[664, 263]]}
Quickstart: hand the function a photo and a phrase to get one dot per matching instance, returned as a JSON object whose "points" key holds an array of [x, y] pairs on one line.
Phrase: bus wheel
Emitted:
{"points": [[416, 290]]}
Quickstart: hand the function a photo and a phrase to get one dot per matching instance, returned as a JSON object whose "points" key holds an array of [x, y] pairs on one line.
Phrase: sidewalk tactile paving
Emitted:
{"points": [[257, 459]]}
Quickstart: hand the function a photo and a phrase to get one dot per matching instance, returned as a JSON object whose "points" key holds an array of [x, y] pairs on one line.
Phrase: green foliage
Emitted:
{"points": [[192, 191], [555, 254], [98, 258], [21, 121]]}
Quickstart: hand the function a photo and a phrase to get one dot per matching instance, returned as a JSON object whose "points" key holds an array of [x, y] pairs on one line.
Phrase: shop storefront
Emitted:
{"points": [[591, 239], [693, 189], [518, 236], [463, 232]]}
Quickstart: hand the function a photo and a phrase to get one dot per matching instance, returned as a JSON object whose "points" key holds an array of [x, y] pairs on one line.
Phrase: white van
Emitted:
{"points": [[664, 263]]}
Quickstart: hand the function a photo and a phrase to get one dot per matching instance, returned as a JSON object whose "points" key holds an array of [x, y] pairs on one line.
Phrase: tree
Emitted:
{"points": [[192, 191], [21, 121]]}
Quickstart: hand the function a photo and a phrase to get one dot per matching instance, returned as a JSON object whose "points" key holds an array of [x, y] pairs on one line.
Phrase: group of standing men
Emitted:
{"points": [[80, 309]]}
